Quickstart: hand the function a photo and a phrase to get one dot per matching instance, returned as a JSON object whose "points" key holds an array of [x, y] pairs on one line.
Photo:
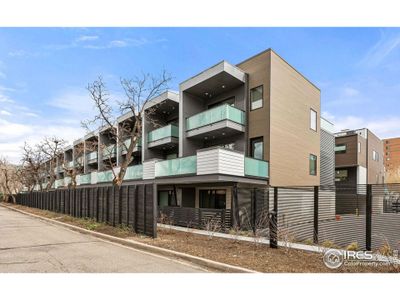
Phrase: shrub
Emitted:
{"points": [[353, 247], [329, 244]]}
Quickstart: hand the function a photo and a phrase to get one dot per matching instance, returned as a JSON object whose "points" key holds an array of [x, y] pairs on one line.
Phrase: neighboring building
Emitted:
{"points": [[392, 159], [358, 158], [248, 125]]}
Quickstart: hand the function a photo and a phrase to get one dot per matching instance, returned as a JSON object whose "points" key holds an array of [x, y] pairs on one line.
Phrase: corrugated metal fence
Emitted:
{"points": [[134, 205], [363, 216]]}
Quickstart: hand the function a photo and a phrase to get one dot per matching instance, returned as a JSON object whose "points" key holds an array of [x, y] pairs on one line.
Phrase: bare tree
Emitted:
{"points": [[10, 183], [33, 167], [52, 148], [138, 92]]}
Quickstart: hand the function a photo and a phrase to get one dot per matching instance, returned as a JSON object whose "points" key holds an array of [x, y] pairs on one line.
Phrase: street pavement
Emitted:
{"points": [[31, 245]]}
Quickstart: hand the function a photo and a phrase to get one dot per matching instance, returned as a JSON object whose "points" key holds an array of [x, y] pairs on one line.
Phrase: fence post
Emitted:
{"points": [[253, 210], [368, 218], [273, 222], [316, 200]]}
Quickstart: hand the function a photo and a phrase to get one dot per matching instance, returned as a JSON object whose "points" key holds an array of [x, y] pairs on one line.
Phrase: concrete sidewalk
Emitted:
{"points": [[28, 244]]}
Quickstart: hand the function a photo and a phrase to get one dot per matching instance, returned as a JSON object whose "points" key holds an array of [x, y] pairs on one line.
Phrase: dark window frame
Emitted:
{"points": [[262, 97], [252, 142], [342, 151], [316, 164]]}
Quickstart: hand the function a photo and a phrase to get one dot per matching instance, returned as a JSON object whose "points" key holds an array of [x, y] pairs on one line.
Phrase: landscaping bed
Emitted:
{"points": [[249, 255]]}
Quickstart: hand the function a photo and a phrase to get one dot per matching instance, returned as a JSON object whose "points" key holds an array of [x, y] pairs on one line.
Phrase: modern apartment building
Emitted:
{"points": [[253, 124], [358, 158], [392, 159]]}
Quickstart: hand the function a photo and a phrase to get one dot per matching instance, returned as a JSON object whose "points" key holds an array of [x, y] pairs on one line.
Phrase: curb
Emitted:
{"points": [[203, 262]]}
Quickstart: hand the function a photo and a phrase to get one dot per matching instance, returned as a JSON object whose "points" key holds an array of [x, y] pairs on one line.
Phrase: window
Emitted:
{"points": [[340, 148], [341, 175], [257, 148], [256, 97], [313, 120], [375, 155], [313, 164], [166, 198], [359, 147], [212, 199]]}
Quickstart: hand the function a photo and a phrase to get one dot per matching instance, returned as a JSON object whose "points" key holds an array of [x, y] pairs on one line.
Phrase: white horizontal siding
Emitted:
{"points": [[93, 178], [220, 161], [149, 169]]}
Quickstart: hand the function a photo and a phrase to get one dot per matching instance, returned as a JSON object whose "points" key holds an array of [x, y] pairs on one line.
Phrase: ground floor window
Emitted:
{"points": [[212, 198], [166, 198]]}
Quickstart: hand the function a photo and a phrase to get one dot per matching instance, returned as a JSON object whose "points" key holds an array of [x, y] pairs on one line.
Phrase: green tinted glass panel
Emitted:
{"points": [[134, 172], [85, 179], [178, 166], [105, 176], [255, 167], [216, 114], [163, 132]]}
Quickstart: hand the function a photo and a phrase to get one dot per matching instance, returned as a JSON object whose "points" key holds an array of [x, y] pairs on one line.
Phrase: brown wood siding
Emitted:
{"points": [[350, 158], [291, 139], [375, 168], [258, 125]]}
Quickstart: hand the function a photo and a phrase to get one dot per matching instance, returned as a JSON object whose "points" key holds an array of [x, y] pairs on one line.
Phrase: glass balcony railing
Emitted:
{"points": [[69, 164], [256, 167], [85, 178], [67, 181], [106, 176], [163, 132], [91, 156], [59, 183], [214, 115], [134, 172], [127, 143], [109, 151], [177, 166]]}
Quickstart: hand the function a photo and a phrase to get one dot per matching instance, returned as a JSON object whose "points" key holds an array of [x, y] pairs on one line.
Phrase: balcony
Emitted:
{"points": [[134, 172], [223, 120], [256, 168], [59, 183], [67, 181], [175, 167], [106, 176], [109, 151], [85, 179], [163, 137], [79, 160], [69, 164], [127, 143], [92, 157]]}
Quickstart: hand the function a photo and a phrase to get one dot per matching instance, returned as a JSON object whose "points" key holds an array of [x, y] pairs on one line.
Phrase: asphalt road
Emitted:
{"points": [[31, 245]]}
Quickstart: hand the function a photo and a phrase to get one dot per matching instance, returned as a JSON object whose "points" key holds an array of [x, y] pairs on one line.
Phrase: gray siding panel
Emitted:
{"points": [[327, 173]]}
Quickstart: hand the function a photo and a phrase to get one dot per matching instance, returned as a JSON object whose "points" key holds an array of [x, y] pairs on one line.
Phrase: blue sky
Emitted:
{"points": [[44, 71]]}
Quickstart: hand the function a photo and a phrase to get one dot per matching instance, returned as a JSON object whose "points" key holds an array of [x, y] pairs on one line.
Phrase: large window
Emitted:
{"points": [[256, 97], [212, 199], [340, 148], [257, 148], [166, 198], [359, 147], [313, 164], [341, 175], [313, 120]]}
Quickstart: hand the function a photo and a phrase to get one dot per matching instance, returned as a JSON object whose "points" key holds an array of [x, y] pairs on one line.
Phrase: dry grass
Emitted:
{"points": [[245, 254]]}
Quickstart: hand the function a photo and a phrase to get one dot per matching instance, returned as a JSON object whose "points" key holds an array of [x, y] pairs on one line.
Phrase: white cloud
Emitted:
{"points": [[383, 127], [73, 101], [350, 92], [5, 113], [381, 50], [84, 38]]}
